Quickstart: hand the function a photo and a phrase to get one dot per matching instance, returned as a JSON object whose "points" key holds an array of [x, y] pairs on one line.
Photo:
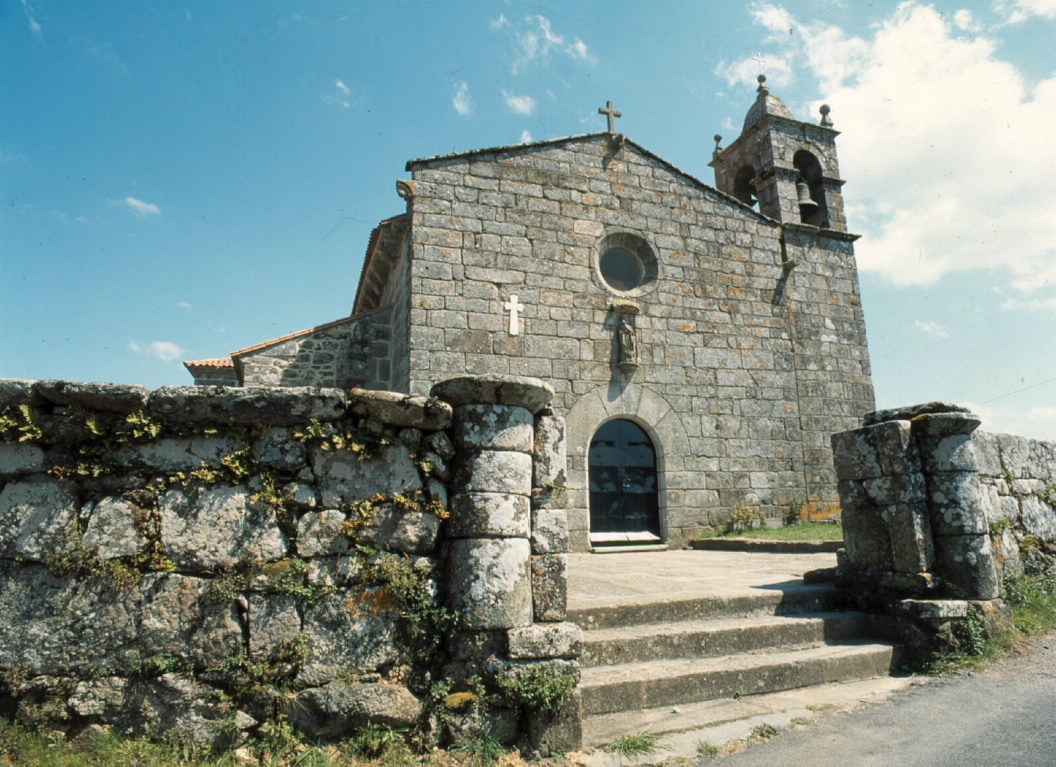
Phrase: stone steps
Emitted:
{"points": [[804, 599], [704, 638], [608, 689], [682, 652]]}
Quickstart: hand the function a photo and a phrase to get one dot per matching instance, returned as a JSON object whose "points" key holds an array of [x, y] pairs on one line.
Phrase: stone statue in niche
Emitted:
{"points": [[627, 344]]}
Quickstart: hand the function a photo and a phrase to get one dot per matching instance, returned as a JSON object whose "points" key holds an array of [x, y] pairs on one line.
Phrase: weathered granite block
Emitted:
{"points": [[494, 427], [858, 453], [866, 537], [342, 638], [17, 391], [271, 618], [549, 459], [966, 564], [344, 478], [1038, 518], [945, 441], [20, 458], [957, 503], [489, 515], [108, 397], [545, 640], [476, 645], [419, 412], [550, 587], [339, 708], [405, 531], [911, 542], [38, 517], [249, 405], [494, 472], [531, 393], [549, 531], [178, 454], [322, 533], [489, 582], [114, 529], [217, 527]]}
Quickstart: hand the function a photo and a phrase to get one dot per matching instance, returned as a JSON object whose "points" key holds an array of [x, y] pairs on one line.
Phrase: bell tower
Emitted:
{"points": [[785, 168]]}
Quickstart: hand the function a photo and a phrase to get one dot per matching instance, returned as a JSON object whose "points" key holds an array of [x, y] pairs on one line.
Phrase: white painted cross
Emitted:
{"points": [[762, 62], [515, 322]]}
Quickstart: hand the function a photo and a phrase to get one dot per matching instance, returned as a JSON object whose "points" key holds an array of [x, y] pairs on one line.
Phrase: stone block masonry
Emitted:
{"points": [[753, 364], [938, 515], [198, 561]]}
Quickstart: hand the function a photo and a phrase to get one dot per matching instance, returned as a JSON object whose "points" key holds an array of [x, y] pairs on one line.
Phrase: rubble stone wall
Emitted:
{"points": [[193, 562]]}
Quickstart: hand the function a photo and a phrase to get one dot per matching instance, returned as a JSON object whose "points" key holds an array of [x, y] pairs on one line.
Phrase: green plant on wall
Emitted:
{"points": [[542, 688], [20, 423], [744, 516]]}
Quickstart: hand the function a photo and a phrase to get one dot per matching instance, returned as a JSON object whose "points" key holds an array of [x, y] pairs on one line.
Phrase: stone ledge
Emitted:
{"points": [[765, 547], [530, 393], [250, 405]]}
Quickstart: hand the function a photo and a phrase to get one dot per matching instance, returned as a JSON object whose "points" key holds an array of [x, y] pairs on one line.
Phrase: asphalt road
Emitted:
{"points": [[1005, 715]]}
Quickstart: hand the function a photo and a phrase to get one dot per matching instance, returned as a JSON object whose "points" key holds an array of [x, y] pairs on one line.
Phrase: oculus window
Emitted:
{"points": [[626, 263]]}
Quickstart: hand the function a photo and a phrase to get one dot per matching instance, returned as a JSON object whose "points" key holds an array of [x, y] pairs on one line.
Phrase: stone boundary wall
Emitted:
{"points": [[196, 563], [937, 515]]}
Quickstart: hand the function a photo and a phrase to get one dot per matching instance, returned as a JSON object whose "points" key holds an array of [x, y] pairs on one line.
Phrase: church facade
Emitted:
{"points": [[703, 341]]}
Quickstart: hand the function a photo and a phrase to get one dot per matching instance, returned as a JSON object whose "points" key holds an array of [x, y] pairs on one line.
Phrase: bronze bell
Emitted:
{"points": [[803, 195]]}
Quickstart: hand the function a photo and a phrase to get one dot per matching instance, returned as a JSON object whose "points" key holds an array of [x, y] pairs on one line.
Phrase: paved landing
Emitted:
{"points": [[599, 580]]}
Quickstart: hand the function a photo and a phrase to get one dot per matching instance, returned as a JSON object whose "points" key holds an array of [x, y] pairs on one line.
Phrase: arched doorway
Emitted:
{"points": [[624, 503]]}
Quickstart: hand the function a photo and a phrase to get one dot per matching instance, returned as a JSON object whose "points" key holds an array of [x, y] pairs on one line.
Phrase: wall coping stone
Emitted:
{"points": [[250, 405], [530, 393], [111, 398], [428, 413], [910, 412]]}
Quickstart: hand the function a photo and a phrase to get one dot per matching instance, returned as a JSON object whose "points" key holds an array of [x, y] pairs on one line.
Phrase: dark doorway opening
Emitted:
{"points": [[624, 499]]}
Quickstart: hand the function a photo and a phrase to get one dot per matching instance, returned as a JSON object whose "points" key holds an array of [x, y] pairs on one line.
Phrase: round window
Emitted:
{"points": [[622, 269], [626, 263]]}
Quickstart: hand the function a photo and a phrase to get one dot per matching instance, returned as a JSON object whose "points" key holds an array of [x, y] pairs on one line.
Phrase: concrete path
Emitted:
{"points": [[600, 580]]}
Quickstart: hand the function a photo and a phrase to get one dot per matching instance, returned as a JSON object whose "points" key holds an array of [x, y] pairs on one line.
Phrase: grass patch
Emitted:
{"points": [[708, 750], [639, 744], [802, 531]]}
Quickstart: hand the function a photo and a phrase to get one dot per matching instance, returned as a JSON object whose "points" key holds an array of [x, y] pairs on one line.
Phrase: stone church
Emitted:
{"points": [[703, 341]]}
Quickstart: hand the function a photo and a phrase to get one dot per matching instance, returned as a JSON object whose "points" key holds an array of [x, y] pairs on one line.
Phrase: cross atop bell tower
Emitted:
{"points": [[785, 168]]}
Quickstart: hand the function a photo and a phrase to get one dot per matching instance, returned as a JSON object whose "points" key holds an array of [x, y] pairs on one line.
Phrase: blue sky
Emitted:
{"points": [[182, 179]]}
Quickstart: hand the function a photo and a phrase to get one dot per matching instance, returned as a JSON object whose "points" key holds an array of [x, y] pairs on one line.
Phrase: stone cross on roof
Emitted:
{"points": [[611, 113]]}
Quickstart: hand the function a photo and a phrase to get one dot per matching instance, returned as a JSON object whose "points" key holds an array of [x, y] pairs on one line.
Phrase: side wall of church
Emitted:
{"points": [[719, 382], [833, 378], [354, 352]]}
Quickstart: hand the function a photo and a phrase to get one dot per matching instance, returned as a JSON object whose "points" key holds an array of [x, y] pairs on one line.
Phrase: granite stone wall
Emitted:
{"points": [[938, 516], [355, 351], [750, 335], [196, 562]]}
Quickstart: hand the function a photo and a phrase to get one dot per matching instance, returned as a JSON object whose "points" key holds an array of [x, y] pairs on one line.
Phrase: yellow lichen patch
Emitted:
{"points": [[457, 701]]}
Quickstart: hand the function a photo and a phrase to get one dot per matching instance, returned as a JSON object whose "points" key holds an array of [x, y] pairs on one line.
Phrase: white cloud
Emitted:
{"points": [[166, 351], [933, 329], [34, 25], [184, 304], [462, 101], [966, 22], [944, 141], [526, 136], [142, 209], [519, 105], [534, 40], [1018, 11], [340, 96]]}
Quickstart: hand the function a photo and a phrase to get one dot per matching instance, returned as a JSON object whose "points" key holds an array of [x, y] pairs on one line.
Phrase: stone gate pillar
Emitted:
{"points": [[508, 540]]}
